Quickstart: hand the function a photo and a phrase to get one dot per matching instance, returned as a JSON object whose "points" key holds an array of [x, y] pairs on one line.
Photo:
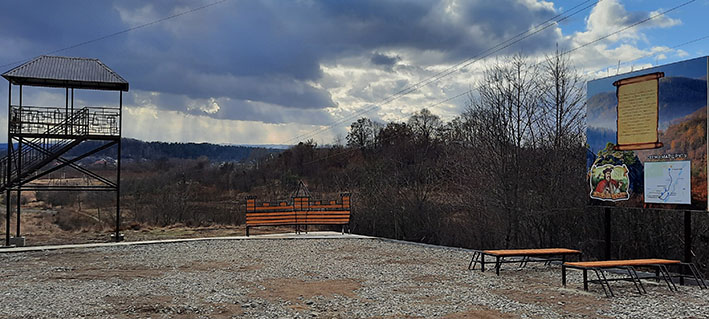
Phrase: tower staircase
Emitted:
{"points": [[41, 149]]}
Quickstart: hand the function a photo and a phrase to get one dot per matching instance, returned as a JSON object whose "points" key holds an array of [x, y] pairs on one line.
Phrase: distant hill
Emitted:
{"points": [[684, 95], [688, 136], [602, 110], [133, 149], [597, 138]]}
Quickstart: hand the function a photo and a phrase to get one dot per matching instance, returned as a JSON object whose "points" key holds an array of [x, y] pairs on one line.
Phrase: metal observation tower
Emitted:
{"points": [[39, 137]]}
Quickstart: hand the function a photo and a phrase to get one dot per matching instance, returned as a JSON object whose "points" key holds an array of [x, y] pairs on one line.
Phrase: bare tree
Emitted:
{"points": [[363, 133], [563, 102]]}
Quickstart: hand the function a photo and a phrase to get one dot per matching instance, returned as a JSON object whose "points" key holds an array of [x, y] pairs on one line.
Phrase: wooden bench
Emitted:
{"points": [[302, 211], [629, 265], [542, 254]]}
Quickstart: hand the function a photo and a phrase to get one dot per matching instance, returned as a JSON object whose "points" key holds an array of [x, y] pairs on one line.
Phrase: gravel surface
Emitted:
{"points": [[306, 278]]}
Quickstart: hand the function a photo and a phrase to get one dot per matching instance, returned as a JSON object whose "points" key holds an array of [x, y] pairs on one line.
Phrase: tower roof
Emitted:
{"points": [[69, 72]]}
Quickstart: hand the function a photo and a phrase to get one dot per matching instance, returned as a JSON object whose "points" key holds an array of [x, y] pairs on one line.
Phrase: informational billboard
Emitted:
{"points": [[647, 137]]}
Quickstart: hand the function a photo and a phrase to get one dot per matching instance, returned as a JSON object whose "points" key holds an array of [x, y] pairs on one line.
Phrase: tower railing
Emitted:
{"points": [[40, 120], [39, 151]]}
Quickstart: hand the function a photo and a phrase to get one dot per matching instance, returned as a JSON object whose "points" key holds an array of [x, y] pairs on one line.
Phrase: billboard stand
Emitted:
{"points": [[607, 227], [687, 242]]}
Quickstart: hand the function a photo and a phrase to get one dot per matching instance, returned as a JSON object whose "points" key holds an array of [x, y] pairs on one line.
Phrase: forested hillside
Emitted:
{"points": [[139, 150], [132, 149]]}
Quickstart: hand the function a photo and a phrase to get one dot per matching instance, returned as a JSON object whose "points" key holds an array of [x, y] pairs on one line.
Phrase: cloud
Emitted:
{"points": [[273, 53], [610, 16], [293, 65], [224, 108], [607, 18], [154, 124], [385, 61]]}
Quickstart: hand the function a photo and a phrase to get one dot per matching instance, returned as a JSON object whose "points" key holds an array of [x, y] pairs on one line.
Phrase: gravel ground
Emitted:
{"points": [[306, 278]]}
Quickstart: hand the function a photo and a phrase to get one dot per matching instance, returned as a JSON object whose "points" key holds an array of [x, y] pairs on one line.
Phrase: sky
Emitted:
{"points": [[280, 72]]}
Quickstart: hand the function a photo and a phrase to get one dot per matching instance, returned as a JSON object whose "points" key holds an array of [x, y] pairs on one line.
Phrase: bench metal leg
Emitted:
{"points": [[585, 279], [604, 282], [563, 275], [498, 261], [635, 279], [638, 277], [247, 231], [473, 261], [667, 277], [523, 263], [698, 278]]}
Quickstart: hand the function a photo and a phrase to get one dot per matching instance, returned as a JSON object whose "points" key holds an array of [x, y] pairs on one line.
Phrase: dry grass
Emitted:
{"points": [[41, 226]]}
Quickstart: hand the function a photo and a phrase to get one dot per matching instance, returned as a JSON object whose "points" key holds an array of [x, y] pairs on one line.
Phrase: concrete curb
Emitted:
{"points": [[292, 236]]}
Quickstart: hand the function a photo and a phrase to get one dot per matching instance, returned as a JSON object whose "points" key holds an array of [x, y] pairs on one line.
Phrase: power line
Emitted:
{"points": [[121, 32], [563, 53], [450, 70], [633, 25], [661, 51]]}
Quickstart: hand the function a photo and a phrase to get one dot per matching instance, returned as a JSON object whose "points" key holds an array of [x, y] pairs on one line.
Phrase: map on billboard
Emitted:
{"points": [[646, 138], [668, 182]]}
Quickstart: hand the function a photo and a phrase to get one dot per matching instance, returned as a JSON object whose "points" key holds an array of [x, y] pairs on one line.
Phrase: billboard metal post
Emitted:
{"points": [[607, 231], [687, 241], [118, 171], [7, 176], [688, 236]]}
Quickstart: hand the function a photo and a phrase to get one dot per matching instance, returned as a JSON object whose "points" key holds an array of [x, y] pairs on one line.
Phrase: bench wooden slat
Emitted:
{"points": [[269, 220], [531, 252], [326, 217], [272, 222], [298, 218], [299, 221], [272, 208], [270, 214], [325, 222], [279, 214], [249, 215], [621, 263]]}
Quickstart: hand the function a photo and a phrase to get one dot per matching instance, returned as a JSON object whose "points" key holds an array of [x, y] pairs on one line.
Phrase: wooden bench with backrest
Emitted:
{"points": [[540, 254], [629, 266], [301, 212]]}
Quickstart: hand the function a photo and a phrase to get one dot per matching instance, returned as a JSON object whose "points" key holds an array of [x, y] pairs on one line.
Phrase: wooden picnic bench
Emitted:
{"points": [[628, 265], [302, 211], [541, 254]]}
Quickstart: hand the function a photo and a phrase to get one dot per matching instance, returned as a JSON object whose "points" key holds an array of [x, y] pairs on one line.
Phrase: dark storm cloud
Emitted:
{"points": [[259, 51], [460, 30], [232, 109], [384, 60]]}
